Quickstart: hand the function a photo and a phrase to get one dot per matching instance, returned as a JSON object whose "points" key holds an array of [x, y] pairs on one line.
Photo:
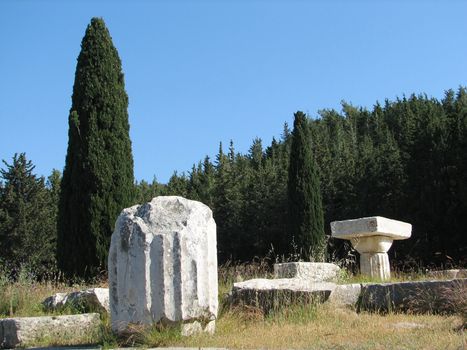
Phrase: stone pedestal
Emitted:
{"points": [[374, 260], [372, 237]]}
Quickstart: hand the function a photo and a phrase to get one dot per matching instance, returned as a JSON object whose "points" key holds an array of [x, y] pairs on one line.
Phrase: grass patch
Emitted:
{"points": [[328, 328], [23, 297], [293, 314]]}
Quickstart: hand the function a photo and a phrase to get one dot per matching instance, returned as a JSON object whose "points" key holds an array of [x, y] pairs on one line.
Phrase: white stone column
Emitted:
{"points": [[163, 266], [372, 237]]}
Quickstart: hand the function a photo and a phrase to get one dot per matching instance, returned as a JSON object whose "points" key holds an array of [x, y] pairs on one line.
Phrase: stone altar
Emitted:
{"points": [[372, 237]]}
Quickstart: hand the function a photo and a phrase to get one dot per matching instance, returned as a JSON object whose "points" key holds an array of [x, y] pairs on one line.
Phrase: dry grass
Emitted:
{"points": [[23, 297], [332, 328]]}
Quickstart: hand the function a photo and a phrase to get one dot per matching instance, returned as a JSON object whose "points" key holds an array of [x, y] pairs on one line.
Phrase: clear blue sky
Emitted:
{"points": [[201, 72]]}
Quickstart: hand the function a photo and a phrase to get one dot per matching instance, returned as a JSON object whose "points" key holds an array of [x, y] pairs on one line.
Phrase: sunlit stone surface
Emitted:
{"points": [[163, 266]]}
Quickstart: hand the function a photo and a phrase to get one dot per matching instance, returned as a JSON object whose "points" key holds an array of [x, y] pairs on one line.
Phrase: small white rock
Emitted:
{"points": [[346, 295]]}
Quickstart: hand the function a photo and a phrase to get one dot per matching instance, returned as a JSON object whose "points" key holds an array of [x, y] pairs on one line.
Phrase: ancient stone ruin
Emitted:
{"points": [[93, 299], [372, 237], [29, 331], [293, 282], [163, 266], [309, 271]]}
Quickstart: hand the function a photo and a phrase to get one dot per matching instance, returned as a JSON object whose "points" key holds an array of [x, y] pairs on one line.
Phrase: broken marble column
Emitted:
{"points": [[372, 237], [163, 266]]}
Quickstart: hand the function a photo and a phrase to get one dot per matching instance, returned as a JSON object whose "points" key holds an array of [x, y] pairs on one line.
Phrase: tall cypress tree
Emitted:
{"points": [[306, 220], [98, 175]]}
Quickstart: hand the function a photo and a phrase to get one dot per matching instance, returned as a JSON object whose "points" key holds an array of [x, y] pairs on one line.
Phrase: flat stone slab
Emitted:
{"points": [[418, 296], [371, 226], [30, 331], [310, 271], [273, 294]]}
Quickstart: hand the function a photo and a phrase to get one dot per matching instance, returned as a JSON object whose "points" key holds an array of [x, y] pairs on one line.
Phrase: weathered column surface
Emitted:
{"points": [[372, 237], [163, 266]]}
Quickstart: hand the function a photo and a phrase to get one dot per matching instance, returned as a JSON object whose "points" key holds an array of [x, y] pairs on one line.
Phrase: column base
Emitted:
{"points": [[375, 265]]}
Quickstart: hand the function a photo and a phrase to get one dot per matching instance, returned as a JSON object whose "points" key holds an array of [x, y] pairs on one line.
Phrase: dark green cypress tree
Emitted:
{"points": [[306, 219], [98, 175]]}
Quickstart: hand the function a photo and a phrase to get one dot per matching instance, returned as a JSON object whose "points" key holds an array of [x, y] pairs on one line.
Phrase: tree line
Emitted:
{"points": [[404, 159]]}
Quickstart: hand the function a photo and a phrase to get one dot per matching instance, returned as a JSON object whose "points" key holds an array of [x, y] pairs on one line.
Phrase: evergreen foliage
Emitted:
{"points": [[404, 159], [98, 175], [306, 220], [27, 219]]}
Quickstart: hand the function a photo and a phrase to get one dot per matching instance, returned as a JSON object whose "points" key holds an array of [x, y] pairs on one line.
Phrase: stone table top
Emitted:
{"points": [[371, 226]]}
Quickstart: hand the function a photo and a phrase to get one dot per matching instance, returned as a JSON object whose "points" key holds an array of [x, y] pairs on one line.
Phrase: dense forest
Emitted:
{"points": [[404, 159]]}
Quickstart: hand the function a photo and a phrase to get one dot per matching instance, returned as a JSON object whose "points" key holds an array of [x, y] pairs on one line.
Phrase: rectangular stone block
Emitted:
{"points": [[310, 271], [62, 330], [371, 226], [274, 294], [416, 296]]}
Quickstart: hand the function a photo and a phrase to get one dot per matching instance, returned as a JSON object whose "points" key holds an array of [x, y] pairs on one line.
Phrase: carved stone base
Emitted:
{"points": [[375, 265]]}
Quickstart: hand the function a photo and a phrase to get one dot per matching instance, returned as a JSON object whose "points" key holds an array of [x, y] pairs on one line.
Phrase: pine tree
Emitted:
{"points": [[27, 220], [178, 185], [306, 220], [98, 175], [145, 192]]}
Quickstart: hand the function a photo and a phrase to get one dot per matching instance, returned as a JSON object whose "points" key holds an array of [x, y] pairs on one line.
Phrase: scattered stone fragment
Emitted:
{"points": [[94, 299], [346, 295], [310, 271], [64, 330], [163, 266]]}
